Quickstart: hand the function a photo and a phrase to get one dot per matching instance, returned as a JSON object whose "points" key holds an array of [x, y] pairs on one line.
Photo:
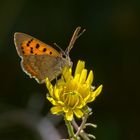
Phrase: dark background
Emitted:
{"points": [[110, 47]]}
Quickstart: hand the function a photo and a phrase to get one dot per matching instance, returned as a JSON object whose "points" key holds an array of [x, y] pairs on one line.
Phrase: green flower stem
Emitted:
{"points": [[82, 133], [70, 130], [91, 136], [82, 124], [90, 124]]}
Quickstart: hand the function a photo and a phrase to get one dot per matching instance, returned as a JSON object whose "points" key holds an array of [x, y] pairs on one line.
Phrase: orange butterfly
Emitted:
{"points": [[40, 60]]}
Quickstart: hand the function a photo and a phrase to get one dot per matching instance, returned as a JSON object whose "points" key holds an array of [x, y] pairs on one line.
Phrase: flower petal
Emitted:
{"points": [[95, 93], [52, 100], [76, 78], [69, 115], [78, 113], [56, 110], [73, 100], [83, 90], [49, 86], [80, 66], [65, 109], [56, 93], [90, 78], [60, 103], [88, 97], [67, 73], [81, 103], [83, 76]]}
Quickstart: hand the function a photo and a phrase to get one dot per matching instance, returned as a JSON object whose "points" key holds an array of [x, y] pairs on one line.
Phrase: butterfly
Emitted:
{"points": [[40, 60]]}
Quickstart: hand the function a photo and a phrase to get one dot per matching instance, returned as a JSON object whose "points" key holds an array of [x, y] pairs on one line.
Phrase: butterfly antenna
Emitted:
{"points": [[59, 48], [74, 37]]}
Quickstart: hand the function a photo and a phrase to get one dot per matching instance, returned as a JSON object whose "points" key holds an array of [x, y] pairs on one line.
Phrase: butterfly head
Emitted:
{"points": [[66, 59]]}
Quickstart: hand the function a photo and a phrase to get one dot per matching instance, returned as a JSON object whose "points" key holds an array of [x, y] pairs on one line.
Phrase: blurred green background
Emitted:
{"points": [[110, 47]]}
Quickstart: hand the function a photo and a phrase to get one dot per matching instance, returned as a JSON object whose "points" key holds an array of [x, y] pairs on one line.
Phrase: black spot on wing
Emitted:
{"points": [[37, 45], [28, 43], [44, 50], [31, 51]]}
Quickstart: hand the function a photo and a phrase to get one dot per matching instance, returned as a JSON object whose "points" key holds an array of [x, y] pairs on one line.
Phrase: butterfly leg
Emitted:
{"points": [[56, 79]]}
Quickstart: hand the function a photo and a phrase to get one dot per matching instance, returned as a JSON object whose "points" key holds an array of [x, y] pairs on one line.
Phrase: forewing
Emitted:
{"points": [[28, 45]]}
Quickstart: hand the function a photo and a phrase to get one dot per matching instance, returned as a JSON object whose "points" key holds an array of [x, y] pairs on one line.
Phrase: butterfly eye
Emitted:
{"points": [[63, 55]]}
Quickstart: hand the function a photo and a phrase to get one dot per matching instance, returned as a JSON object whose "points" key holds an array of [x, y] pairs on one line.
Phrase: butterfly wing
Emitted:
{"points": [[42, 66], [39, 60], [28, 45]]}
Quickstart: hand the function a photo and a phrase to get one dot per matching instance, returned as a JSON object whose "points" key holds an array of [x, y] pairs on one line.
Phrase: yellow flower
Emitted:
{"points": [[71, 93]]}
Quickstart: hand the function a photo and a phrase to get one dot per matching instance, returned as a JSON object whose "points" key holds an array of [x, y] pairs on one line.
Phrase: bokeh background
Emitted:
{"points": [[110, 46]]}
